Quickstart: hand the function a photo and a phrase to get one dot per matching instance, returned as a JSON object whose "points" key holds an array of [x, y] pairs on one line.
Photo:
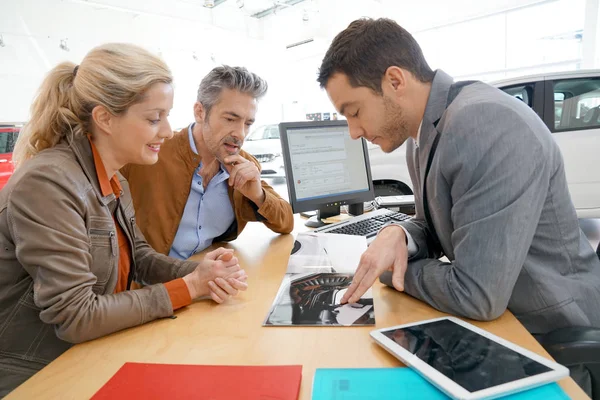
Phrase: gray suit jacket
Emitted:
{"points": [[500, 205]]}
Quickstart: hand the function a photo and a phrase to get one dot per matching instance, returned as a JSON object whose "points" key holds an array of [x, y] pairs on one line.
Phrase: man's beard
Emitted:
{"points": [[217, 149], [394, 129]]}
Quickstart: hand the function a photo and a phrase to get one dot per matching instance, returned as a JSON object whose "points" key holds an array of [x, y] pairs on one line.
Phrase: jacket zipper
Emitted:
{"points": [[112, 243], [133, 266]]}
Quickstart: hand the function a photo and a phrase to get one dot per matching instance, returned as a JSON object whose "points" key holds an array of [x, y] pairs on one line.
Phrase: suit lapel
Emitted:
{"points": [[436, 105], [428, 133]]}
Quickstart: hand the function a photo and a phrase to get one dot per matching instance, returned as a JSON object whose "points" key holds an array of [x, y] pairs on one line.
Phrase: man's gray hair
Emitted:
{"points": [[226, 77]]}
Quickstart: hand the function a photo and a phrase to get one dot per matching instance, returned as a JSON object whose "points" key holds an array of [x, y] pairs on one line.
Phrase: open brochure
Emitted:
{"points": [[320, 269]]}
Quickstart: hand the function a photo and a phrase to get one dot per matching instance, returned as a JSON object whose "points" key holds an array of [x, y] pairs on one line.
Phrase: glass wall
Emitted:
{"points": [[540, 38]]}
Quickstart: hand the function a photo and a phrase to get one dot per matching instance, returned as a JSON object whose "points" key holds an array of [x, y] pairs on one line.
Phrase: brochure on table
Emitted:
{"points": [[320, 269]]}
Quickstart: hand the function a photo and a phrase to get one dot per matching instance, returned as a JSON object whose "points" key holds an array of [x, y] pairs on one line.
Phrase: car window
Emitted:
{"points": [[257, 134], [272, 132], [8, 137], [521, 92], [576, 103]]}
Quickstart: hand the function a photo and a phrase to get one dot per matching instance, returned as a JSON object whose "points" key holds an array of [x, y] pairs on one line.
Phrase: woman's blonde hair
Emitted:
{"points": [[114, 75]]}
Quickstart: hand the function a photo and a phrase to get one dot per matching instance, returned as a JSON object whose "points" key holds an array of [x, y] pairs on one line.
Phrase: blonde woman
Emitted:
{"points": [[69, 244]]}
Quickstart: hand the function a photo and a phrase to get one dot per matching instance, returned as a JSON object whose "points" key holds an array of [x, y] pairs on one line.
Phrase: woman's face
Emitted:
{"points": [[138, 133]]}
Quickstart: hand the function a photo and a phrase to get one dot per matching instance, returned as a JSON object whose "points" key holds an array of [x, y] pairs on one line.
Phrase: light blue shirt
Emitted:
{"points": [[207, 214]]}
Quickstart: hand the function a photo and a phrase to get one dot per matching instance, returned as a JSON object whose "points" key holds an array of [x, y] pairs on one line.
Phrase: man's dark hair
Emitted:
{"points": [[367, 48]]}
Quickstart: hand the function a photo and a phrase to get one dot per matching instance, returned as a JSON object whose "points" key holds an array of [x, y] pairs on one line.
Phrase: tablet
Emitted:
{"points": [[466, 362]]}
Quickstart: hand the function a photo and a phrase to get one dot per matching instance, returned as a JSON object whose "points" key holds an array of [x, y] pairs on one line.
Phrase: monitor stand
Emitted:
{"points": [[322, 213]]}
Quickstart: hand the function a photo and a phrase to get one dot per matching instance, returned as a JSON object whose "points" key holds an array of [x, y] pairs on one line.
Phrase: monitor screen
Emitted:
{"points": [[324, 165]]}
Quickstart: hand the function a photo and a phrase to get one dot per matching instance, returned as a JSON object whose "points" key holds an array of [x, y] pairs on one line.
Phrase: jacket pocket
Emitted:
{"points": [[26, 337], [104, 249], [565, 313]]}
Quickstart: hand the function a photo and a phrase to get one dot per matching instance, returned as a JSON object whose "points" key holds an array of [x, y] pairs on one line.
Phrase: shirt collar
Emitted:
{"points": [[418, 135], [191, 136], [106, 186]]}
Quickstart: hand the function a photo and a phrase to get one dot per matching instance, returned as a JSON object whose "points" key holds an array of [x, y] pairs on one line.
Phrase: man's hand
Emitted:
{"points": [[387, 252], [218, 275], [245, 177]]}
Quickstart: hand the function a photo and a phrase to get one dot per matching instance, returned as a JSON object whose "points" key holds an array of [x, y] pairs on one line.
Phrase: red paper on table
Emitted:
{"points": [[214, 382]]}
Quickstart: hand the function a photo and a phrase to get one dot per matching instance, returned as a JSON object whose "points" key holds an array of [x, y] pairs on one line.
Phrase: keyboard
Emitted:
{"points": [[365, 225]]}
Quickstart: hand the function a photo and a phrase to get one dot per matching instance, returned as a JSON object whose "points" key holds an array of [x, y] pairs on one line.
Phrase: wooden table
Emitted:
{"points": [[232, 333]]}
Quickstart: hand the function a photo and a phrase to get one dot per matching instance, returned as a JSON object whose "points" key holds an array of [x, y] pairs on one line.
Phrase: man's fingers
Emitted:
{"points": [[349, 292], [363, 266], [232, 175], [398, 273], [246, 173], [365, 284], [234, 160], [354, 285], [234, 172], [240, 179]]}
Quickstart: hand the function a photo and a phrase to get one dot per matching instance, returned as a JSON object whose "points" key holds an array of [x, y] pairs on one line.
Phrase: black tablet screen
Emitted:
{"points": [[469, 359]]}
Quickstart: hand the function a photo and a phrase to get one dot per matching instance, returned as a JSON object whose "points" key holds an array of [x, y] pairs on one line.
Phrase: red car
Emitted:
{"points": [[8, 137]]}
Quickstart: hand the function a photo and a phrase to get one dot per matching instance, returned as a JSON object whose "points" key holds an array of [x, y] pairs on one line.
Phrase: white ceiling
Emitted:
{"points": [[325, 17], [193, 38]]}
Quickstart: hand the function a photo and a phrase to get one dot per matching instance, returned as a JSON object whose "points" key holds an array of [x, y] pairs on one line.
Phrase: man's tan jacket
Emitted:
{"points": [[160, 193]]}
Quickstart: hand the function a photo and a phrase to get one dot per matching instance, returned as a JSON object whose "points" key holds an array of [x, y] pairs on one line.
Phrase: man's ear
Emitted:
{"points": [[394, 80], [199, 112], [103, 119]]}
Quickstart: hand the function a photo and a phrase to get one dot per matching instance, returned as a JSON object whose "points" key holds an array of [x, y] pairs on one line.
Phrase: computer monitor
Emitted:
{"points": [[325, 168]]}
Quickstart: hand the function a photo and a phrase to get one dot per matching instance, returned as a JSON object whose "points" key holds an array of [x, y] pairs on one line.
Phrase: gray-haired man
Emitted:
{"points": [[205, 188]]}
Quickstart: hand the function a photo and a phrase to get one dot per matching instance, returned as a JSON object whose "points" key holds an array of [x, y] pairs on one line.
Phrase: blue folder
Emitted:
{"points": [[398, 384]]}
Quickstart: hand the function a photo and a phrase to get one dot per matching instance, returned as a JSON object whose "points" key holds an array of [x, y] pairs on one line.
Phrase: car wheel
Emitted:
{"points": [[385, 187]]}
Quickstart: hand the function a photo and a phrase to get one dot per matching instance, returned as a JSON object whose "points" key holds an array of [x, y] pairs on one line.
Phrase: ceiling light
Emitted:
{"points": [[240, 3], [305, 17], [209, 3]]}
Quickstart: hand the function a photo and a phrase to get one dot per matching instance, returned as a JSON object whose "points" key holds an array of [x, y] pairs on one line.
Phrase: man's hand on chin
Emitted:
{"points": [[244, 176]]}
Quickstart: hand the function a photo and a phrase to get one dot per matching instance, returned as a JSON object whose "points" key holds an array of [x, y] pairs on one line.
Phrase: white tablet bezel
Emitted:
{"points": [[456, 391]]}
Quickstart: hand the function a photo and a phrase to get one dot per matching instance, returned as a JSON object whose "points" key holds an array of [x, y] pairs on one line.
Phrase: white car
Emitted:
{"points": [[264, 144], [569, 104]]}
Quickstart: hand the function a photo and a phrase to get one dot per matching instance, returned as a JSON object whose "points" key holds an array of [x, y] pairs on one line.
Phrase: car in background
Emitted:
{"points": [[568, 103], [264, 144], [389, 171], [8, 138]]}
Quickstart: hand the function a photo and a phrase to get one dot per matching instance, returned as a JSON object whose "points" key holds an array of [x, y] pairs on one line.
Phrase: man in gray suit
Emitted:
{"points": [[490, 189]]}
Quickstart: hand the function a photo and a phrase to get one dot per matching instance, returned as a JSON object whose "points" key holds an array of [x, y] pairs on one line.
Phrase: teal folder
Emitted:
{"points": [[398, 384]]}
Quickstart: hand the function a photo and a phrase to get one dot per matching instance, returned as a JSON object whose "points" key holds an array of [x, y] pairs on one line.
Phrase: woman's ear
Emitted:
{"points": [[103, 119]]}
